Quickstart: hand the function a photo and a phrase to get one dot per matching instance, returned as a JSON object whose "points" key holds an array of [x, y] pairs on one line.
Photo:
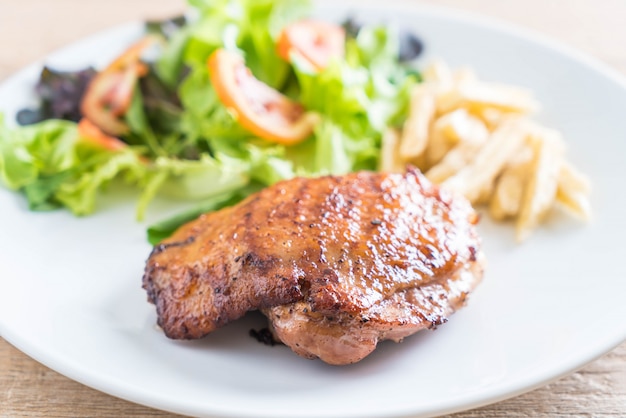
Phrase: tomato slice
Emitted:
{"points": [[258, 107], [90, 132], [316, 41], [109, 94]]}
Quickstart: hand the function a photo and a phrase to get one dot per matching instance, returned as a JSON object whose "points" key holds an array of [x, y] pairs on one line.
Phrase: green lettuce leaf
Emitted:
{"points": [[80, 190], [42, 149], [185, 144], [249, 26], [208, 176], [54, 167], [359, 98]]}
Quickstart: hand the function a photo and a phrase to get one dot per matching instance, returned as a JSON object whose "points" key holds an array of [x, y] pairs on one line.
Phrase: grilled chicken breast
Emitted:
{"points": [[336, 263]]}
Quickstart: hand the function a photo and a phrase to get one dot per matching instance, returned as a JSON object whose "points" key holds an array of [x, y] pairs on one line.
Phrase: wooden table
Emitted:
{"points": [[31, 28]]}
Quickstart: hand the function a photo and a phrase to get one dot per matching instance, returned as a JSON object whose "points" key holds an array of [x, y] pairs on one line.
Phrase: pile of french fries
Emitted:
{"points": [[477, 138]]}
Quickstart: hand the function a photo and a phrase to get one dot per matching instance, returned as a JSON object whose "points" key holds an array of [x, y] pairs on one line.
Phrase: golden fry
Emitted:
{"points": [[573, 190], [417, 126], [540, 192], [390, 160], [472, 137], [451, 129], [453, 162], [478, 95], [509, 189], [503, 143]]}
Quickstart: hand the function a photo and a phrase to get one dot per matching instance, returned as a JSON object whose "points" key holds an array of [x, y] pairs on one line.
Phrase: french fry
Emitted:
{"points": [[506, 200], [573, 190], [575, 203], [507, 197], [443, 136], [439, 145], [571, 178], [477, 95], [541, 189], [490, 117], [473, 138], [463, 127], [453, 162], [451, 129], [389, 156], [483, 197], [417, 126], [503, 143]]}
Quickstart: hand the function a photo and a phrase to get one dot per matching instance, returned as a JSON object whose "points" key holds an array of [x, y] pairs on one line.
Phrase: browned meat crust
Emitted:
{"points": [[336, 263]]}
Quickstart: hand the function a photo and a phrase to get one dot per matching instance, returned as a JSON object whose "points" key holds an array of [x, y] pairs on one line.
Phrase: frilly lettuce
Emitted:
{"points": [[359, 97], [54, 167], [183, 142]]}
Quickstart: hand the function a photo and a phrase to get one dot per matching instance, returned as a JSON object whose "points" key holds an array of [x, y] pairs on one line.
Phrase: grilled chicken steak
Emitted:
{"points": [[336, 263]]}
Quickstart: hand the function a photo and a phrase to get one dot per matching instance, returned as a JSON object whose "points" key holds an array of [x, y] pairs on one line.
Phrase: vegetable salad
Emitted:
{"points": [[211, 108]]}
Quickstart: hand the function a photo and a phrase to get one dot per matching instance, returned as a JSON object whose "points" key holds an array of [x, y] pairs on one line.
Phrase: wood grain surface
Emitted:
{"points": [[29, 29]]}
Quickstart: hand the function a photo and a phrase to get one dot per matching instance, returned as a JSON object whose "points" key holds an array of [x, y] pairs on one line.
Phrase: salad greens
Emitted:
{"points": [[183, 143], [51, 165]]}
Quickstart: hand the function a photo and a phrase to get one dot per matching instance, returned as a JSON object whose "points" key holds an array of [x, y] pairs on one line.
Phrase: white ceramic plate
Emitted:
{"points": [[71, 297]]}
